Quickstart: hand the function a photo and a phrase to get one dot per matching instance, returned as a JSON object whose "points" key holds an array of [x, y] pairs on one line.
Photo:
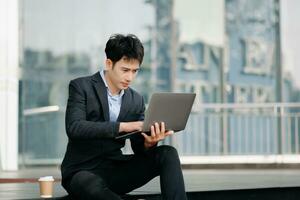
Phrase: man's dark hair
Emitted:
{"points": [[120, 45]]}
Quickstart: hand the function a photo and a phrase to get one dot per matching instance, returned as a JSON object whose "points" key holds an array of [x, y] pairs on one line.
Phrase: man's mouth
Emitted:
{"points": [[125, 84]]}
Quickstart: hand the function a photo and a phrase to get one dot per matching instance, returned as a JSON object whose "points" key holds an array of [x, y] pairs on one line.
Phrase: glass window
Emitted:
{"points": [[226, 51]]}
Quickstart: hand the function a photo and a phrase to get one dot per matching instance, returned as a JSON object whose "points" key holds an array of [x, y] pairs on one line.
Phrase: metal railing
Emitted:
{"points": [[42, 136], [213, 131], [241, 129]]}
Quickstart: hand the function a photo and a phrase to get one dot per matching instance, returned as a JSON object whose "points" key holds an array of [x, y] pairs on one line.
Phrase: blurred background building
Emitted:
{"points": [[229, 52]]}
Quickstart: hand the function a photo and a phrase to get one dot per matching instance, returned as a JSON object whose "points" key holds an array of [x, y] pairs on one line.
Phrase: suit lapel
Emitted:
{"points": [[101, 92]]}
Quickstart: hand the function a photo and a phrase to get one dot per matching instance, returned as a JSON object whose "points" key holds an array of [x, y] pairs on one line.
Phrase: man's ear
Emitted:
{"points": [[108, 64]]}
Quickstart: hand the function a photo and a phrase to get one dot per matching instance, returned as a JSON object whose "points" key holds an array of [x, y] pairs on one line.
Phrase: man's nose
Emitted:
{"points": [[129, 76]]}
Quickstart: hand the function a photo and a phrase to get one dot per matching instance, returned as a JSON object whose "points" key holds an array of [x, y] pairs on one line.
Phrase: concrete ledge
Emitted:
{"points": [[232, 166], [241, 159]]}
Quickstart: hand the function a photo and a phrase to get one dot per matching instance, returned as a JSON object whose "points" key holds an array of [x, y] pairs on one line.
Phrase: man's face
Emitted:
{"points": [[122, 73]]}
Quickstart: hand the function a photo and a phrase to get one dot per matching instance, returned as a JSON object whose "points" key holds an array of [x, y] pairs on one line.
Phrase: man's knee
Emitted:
{"points": [[167, 154], [85, 184]]}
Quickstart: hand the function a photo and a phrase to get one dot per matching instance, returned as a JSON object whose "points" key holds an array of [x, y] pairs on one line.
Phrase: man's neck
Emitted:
{"points": [[113, 90]]}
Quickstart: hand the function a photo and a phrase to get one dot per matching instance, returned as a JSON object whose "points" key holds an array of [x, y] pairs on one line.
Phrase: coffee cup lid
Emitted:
{"points": [[46, 178]]}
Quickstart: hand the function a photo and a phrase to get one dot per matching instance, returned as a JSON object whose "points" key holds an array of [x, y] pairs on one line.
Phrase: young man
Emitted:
{"points": [[99, 108]]}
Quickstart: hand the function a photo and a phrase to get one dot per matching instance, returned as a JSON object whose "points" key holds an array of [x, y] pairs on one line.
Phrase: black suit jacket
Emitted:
{"points": [[91, 134]]}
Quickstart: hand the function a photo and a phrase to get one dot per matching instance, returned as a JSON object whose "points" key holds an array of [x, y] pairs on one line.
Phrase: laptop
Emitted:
{"points": [[172, 108]]}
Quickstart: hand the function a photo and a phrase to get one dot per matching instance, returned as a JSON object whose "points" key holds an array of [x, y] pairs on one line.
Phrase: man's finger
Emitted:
{"points": [[169, 133], [157, 129], [145, 136], [162, 127], [152, 131]]}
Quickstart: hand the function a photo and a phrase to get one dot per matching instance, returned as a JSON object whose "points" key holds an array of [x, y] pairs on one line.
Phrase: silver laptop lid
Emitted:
{"points": [[172, 108]]}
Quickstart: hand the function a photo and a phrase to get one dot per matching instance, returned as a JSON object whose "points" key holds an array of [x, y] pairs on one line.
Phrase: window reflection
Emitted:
{"points": [[188, 47]]}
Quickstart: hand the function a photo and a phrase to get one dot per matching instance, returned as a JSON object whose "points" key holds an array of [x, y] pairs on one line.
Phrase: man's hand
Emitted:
{"points": [[157, 134], [130, 126]]}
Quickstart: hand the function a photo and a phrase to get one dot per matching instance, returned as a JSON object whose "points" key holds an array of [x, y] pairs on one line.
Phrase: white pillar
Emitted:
{"points": [[9, 104]]}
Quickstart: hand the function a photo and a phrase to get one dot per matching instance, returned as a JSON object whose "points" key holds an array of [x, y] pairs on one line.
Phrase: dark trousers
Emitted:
{"points": [[122, 177]]}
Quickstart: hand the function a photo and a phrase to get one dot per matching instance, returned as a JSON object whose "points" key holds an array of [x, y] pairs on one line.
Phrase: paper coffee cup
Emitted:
{"points": [[46, 186]]}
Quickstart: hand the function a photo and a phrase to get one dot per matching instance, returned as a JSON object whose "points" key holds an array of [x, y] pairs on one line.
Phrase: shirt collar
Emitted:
{"points": [[102, 72]]}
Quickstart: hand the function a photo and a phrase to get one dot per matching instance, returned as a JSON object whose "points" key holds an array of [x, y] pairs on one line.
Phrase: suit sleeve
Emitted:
{"points": [[137, 141], [77, 127]]}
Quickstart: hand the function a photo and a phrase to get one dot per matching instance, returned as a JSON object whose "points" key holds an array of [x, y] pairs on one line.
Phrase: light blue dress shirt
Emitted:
{"points": [[114, 101]]}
